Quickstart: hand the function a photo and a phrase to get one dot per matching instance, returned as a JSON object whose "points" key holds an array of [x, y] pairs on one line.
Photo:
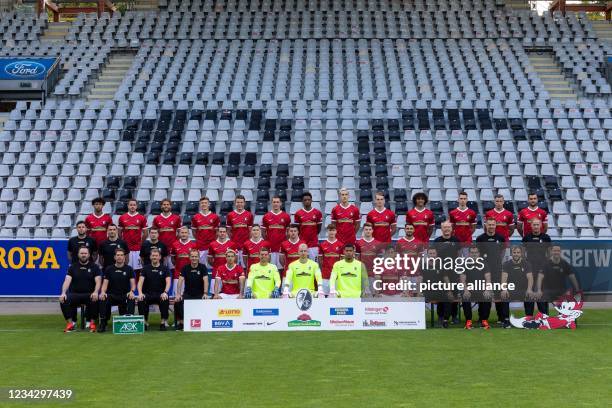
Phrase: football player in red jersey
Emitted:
{"points": [[290, 247], [252, 246], [503, 218], [204, 228], [97, 222], [167, 224], [529, 213], [330, 251], [133, 230], [410, 246], [218, 248], [383, 219], [180, 253], [275, 224], [463, 220], [229, 278], [310, 220], [346, 218], [239, 223], [422, 218], [368, 248]]}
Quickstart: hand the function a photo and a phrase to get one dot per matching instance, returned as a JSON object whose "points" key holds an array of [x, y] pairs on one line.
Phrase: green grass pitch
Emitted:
{"points": [[432, 368]]}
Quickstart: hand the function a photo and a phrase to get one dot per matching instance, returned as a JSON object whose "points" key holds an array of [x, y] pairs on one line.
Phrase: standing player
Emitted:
{"points": [[229, 278], [181, 253], [218, 248], [519, 272], [504, 219], [97, 222], [422, 218], [167, 224], [346, 218], [310, 220], [252, 246], [382, 219], [330, 251], [239, 223], [484, 307], [463, 220], [118, 289], [192, 284], [448, 246], [264, 280], [289, 247], [81, 286], [153, 288], [81, 240], [302, 274], [153, 243], [275, 224], [349, 279], [530, 213], [110, 245], [368, 248], [133, 230], [204, 227], [537, 248]]}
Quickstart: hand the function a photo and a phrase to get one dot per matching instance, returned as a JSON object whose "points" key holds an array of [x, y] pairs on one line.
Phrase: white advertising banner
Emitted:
{"points": [[302, 313]]}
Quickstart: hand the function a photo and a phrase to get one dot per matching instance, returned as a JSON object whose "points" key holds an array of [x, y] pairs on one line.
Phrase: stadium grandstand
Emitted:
{"points": [[180, 99]]}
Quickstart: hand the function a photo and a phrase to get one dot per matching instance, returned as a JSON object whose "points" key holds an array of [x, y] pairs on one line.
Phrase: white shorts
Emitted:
{"points": [[325, 284], [275, 259], [240, 262], [173, 288], [134, 260], [204, 258], [313, 253], [168, 263], [226, 296], [371, 280]]}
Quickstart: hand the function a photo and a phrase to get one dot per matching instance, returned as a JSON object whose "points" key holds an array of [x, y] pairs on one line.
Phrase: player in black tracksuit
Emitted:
{"points": [[117, 289], [153, 286], [448, 247], [192, 284], [80, 240], [557, 271], [152, 243], [434, 273], [81, 286], [484, 307], [492, 247], [518, 271], [537, 246]]}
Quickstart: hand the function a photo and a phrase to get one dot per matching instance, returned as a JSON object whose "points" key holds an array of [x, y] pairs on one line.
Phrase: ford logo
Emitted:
{"points": [[24, 69]]}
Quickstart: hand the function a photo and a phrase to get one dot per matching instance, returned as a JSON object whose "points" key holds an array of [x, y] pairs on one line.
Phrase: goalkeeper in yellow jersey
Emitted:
{"points": [[264, 281], [349, 278], [302, 274]]}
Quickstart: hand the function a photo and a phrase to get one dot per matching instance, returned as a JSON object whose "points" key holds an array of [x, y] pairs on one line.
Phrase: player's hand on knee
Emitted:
{"points": [[62, 298], [164, 296], [94, 297], [140, 297], [103, 296]]}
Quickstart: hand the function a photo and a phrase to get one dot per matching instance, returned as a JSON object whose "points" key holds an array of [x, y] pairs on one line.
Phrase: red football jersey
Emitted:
{"points": [[180, 250], [345, 219], [131, 229], [217, 251], [330, 252], [290, 250], [527, 215], [229, 278], [462, 223], [382, 222], [167, 228], [205, 226], [368, 250], [413, 248], [97, 227], [389, 276], [276, 228], [421, 220], [239, 224], [309, 222], [504, 220], [251, 250]]}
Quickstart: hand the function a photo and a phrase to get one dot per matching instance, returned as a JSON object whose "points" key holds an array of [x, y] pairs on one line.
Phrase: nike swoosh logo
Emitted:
{"points": [[269, 324]]}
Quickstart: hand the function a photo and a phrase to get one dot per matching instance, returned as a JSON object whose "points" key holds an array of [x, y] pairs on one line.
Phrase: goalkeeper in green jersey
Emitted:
{"points": [[264, 280], [302, 274], [349, 278]]}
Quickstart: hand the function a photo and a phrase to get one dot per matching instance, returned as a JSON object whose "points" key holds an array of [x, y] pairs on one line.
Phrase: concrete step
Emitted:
{"points": [[111, 76], [551, 75]]}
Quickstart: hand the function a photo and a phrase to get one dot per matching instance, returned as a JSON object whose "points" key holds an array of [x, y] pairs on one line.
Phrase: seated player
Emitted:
{"points": [[153, 287], [192, 284], [81, 286], [229, 278], [302, 274], [117, 289], [390, 276], [264, 279], [349, 278]]}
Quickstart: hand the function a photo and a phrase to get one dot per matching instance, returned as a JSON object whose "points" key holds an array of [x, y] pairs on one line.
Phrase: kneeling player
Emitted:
{"points": [[117, 289], [349, 278], [153, 287], [192, 284], [302, 274], [81, 286], [264, 280], [229, 278]]}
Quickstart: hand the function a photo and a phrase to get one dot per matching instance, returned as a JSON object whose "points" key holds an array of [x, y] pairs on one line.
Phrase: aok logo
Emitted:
{"points": [[24, 69], [128, 327], [29, 257], [229, 312]]}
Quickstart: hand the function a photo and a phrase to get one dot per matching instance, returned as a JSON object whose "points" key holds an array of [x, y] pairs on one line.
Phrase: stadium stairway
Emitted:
{"points": [[56, 32], [603, 29], [111, 76], [517, 4], [4, 116], [145, 5], [550, 73]]}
